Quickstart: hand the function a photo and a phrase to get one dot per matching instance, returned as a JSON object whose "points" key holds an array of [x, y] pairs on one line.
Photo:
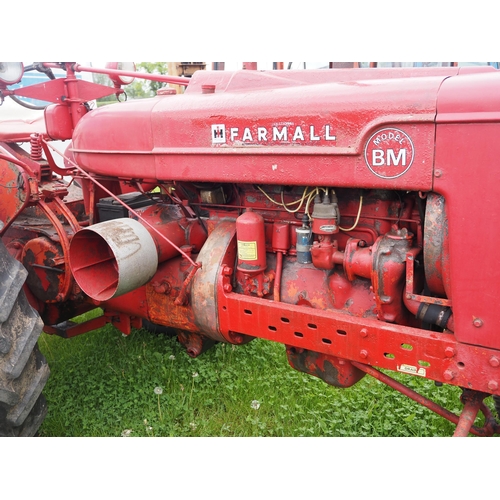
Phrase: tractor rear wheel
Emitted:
{"points": [[23, 369]]}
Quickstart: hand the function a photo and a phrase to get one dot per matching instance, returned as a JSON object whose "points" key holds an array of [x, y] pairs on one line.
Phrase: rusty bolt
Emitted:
{"points": [[163, 288], [492, 385], [449, 352], [364, 332], [478, 322], [363, 354], [228, 287], [494, 361], [448, 375]]}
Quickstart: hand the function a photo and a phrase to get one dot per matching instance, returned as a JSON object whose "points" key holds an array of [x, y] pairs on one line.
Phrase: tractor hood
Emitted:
{"points": [[362, 127]]}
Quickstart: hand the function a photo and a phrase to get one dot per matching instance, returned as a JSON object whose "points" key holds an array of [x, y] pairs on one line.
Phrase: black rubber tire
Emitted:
{"points": [[23, 369]]}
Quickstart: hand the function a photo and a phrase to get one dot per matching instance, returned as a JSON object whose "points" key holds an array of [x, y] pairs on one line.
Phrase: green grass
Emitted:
{"points": [[103, 384]]}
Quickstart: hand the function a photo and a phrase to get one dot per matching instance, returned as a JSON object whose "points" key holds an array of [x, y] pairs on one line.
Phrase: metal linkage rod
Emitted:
{"points": [[473, 403], [177, 80]]}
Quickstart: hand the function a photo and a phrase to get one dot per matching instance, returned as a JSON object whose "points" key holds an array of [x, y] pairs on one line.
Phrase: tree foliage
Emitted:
{"points": [[138, 89], [147, 88]]}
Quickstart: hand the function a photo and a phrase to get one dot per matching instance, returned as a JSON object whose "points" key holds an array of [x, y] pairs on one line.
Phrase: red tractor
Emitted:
{"points": [[328, 210]]}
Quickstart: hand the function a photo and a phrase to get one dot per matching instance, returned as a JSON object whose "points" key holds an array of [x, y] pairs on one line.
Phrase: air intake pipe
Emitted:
{"points": [[114, 257]]}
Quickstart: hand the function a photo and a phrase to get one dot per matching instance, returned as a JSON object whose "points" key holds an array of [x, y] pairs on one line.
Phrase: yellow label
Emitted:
{"points": [[247, 250]]}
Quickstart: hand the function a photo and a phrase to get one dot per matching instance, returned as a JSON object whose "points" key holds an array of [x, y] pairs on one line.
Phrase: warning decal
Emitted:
{"points": [[247, 250], [389, 153]]}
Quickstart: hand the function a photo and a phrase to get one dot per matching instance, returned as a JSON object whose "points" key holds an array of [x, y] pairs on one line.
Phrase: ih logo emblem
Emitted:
{"points": [[218, 134], [389, 153]]}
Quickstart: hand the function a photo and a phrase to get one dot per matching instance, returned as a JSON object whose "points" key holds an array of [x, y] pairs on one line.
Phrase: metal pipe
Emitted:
{"points": [[467, 418], [178, 80], [277, 279]]}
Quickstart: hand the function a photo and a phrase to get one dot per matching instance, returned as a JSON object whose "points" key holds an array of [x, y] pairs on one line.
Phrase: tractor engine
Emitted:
{"points": [[250, 242]]}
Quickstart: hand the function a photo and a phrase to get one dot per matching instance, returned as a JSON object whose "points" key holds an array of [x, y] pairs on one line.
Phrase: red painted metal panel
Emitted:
{"points": [[466, 173], [56, 91], [21, 130], [433, 355], [14, 191], [247, 133]]}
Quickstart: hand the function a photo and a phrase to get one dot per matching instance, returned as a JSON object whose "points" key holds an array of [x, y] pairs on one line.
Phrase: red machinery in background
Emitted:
{"points": [[345, 213]]}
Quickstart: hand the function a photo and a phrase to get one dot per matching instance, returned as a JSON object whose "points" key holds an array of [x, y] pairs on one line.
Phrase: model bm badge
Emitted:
{"points": [[389, 153]]}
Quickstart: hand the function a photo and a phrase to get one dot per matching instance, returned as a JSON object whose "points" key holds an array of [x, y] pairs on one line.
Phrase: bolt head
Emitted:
{"points": [[478, 322], [363, 354], [492, 385], [448, 375], [227, 271], [364, 332], [494, 361], [449, 352]]}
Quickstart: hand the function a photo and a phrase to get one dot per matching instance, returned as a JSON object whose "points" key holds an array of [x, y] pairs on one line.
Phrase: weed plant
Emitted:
{"points": [[106, 384]]}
